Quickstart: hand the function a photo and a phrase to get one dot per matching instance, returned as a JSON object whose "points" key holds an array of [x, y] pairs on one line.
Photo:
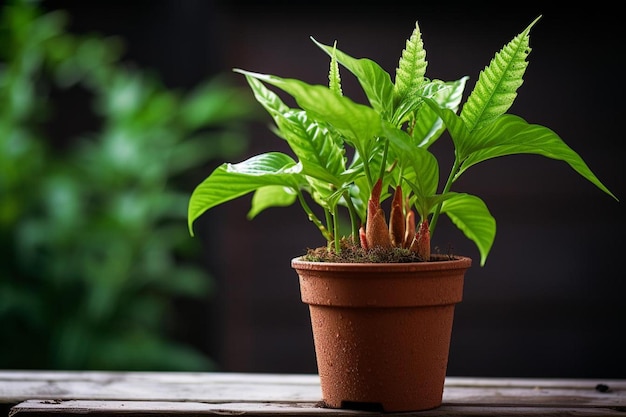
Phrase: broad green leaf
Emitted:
{"points": [[359, 197], [357, 123], [406, 109], [230, 181], [471, 215], [325, 194], [456, 127], [419, 166], [428, 125], [451, 96], [271, 196], [268, 99], [511, 135], [319, 150], [497, 84], [374, 80]]}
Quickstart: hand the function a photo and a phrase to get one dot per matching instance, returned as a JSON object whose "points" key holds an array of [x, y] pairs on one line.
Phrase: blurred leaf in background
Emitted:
{"points": [[94, 246]]}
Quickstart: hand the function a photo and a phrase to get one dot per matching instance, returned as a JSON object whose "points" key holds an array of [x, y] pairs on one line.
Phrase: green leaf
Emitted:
{"points": [[471, 215], [325, 194], [420, 167], [271, 196], [359, 124], [497, 84], [334, 78], [353, 120], [511, 135], [268, 99], [428, 125], [411, 67], [459, 133], [230, 181], [407, 109], [374, 80], [318, 149]]}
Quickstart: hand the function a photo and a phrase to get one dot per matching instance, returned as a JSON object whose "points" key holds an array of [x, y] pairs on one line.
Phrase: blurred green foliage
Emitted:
{"points": [[94, 245]]}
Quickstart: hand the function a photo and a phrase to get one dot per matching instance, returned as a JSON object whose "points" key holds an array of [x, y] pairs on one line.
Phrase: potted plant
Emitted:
{"points": [[361, 161]]}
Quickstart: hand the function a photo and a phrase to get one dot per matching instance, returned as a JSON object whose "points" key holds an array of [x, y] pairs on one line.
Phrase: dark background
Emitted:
{"points": [[549, 301]]}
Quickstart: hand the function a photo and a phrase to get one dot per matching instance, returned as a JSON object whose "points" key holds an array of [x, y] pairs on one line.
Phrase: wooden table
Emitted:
{"points": [[39, 393]]}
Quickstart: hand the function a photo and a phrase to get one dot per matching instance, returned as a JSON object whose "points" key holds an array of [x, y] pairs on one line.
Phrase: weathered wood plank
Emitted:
{"points": [[155, 386], [37, 408], [179, 393], [226, 387]]}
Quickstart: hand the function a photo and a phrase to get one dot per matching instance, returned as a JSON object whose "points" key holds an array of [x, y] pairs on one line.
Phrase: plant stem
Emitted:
{"points": [[312, 217], [366, 168], [353, 217], [329, 223], [446, 188], [383, 163], [336, 230]]}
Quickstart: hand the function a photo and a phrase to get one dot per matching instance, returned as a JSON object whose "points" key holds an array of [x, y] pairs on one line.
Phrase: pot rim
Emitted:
{"points": [[446, 262]]}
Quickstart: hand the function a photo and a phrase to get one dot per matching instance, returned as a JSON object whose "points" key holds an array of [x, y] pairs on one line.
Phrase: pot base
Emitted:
{"points": [[363, 406]]}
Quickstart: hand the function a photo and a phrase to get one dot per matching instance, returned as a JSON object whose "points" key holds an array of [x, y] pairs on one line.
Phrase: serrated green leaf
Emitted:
{"points": [[411, 67], [334, 78], [497, 84], [374, 80]]}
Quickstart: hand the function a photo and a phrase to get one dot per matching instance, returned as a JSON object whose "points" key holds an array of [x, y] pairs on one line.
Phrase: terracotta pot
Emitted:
{"points": [[382, 331]]}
